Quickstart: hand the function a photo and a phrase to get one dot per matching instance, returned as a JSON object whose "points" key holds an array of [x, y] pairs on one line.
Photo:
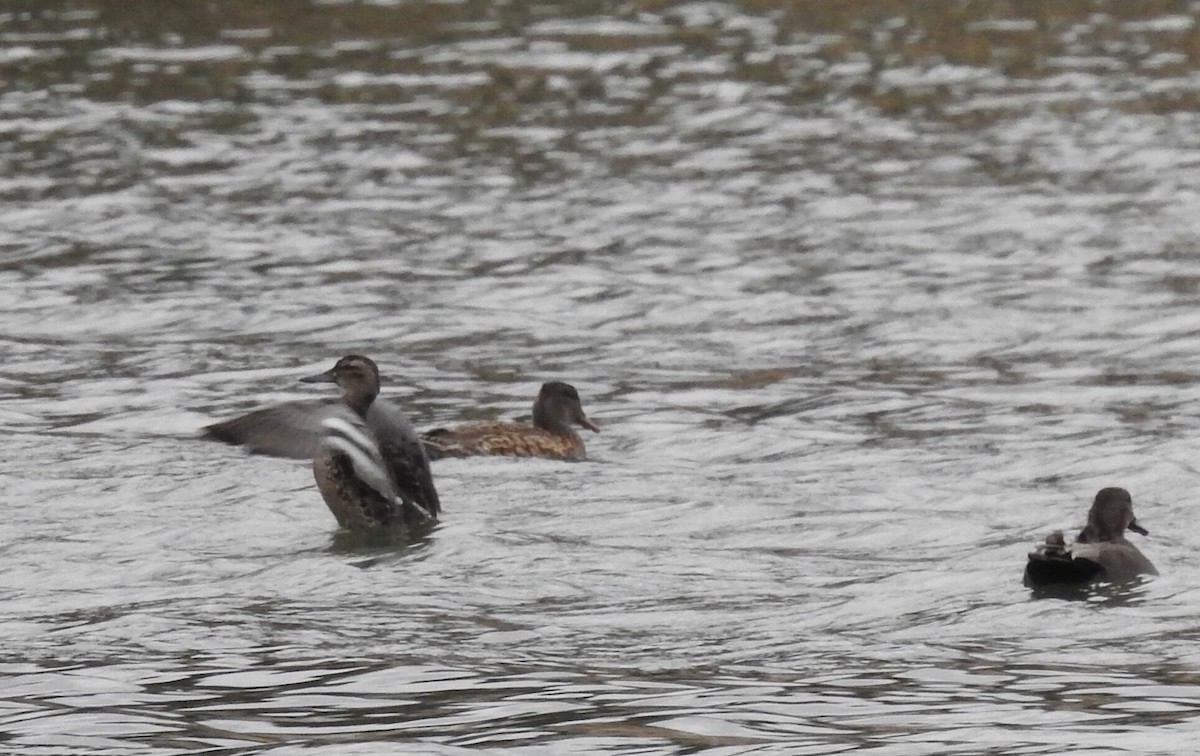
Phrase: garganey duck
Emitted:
{"points": [[367, 459], [1100, 552]]}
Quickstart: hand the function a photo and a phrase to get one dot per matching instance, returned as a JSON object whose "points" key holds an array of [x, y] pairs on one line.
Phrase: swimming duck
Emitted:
{"points": [[557, 406], [367, 460], [1100, 552]]}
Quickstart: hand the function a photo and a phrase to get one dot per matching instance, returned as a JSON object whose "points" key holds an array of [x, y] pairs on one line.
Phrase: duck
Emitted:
{"points": [[1100, 552], [550, 436], [367, 459]]}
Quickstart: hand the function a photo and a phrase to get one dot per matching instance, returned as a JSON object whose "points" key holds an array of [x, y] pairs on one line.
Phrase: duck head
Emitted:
{"points": [[557, 406], [358, 377], [1111, 514]]}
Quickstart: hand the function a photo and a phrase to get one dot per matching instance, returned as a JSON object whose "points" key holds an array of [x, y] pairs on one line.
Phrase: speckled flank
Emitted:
{"points": [[355, 505], [503, 439], [556, 409]]}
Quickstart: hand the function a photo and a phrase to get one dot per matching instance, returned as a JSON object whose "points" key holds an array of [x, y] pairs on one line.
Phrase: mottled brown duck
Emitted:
{"points": [[550, 436]]}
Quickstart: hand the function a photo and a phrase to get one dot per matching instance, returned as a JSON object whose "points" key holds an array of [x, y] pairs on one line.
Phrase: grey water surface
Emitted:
{"points": [[867, 298]]}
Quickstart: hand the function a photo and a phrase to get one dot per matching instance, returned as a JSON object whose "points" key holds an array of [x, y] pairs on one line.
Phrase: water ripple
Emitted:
{"points": [[866, 301]]}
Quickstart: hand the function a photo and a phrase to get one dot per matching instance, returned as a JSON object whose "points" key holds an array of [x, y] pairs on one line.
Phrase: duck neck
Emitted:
{"points": [[546, 420], [359, 399], [1093, 533]]}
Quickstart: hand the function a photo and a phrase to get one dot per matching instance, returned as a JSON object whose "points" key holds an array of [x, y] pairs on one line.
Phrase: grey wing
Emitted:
{"points": [[404, 454], [292, 429]]}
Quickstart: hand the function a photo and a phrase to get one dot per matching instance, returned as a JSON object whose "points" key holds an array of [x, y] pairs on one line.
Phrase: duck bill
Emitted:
{"points": [[1138, 528], [583, 420], [326, 377]]}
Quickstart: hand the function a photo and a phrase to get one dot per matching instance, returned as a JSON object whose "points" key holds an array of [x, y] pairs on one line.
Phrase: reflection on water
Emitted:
{"points": [[867, 297]]}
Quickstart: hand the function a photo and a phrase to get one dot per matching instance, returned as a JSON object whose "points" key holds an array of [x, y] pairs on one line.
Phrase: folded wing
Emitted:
{"points": [[405, 457]]}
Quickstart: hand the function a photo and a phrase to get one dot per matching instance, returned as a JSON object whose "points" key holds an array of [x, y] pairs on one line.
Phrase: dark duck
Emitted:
{"points": [[1100, 552], [551, 436], [367, 460]]}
